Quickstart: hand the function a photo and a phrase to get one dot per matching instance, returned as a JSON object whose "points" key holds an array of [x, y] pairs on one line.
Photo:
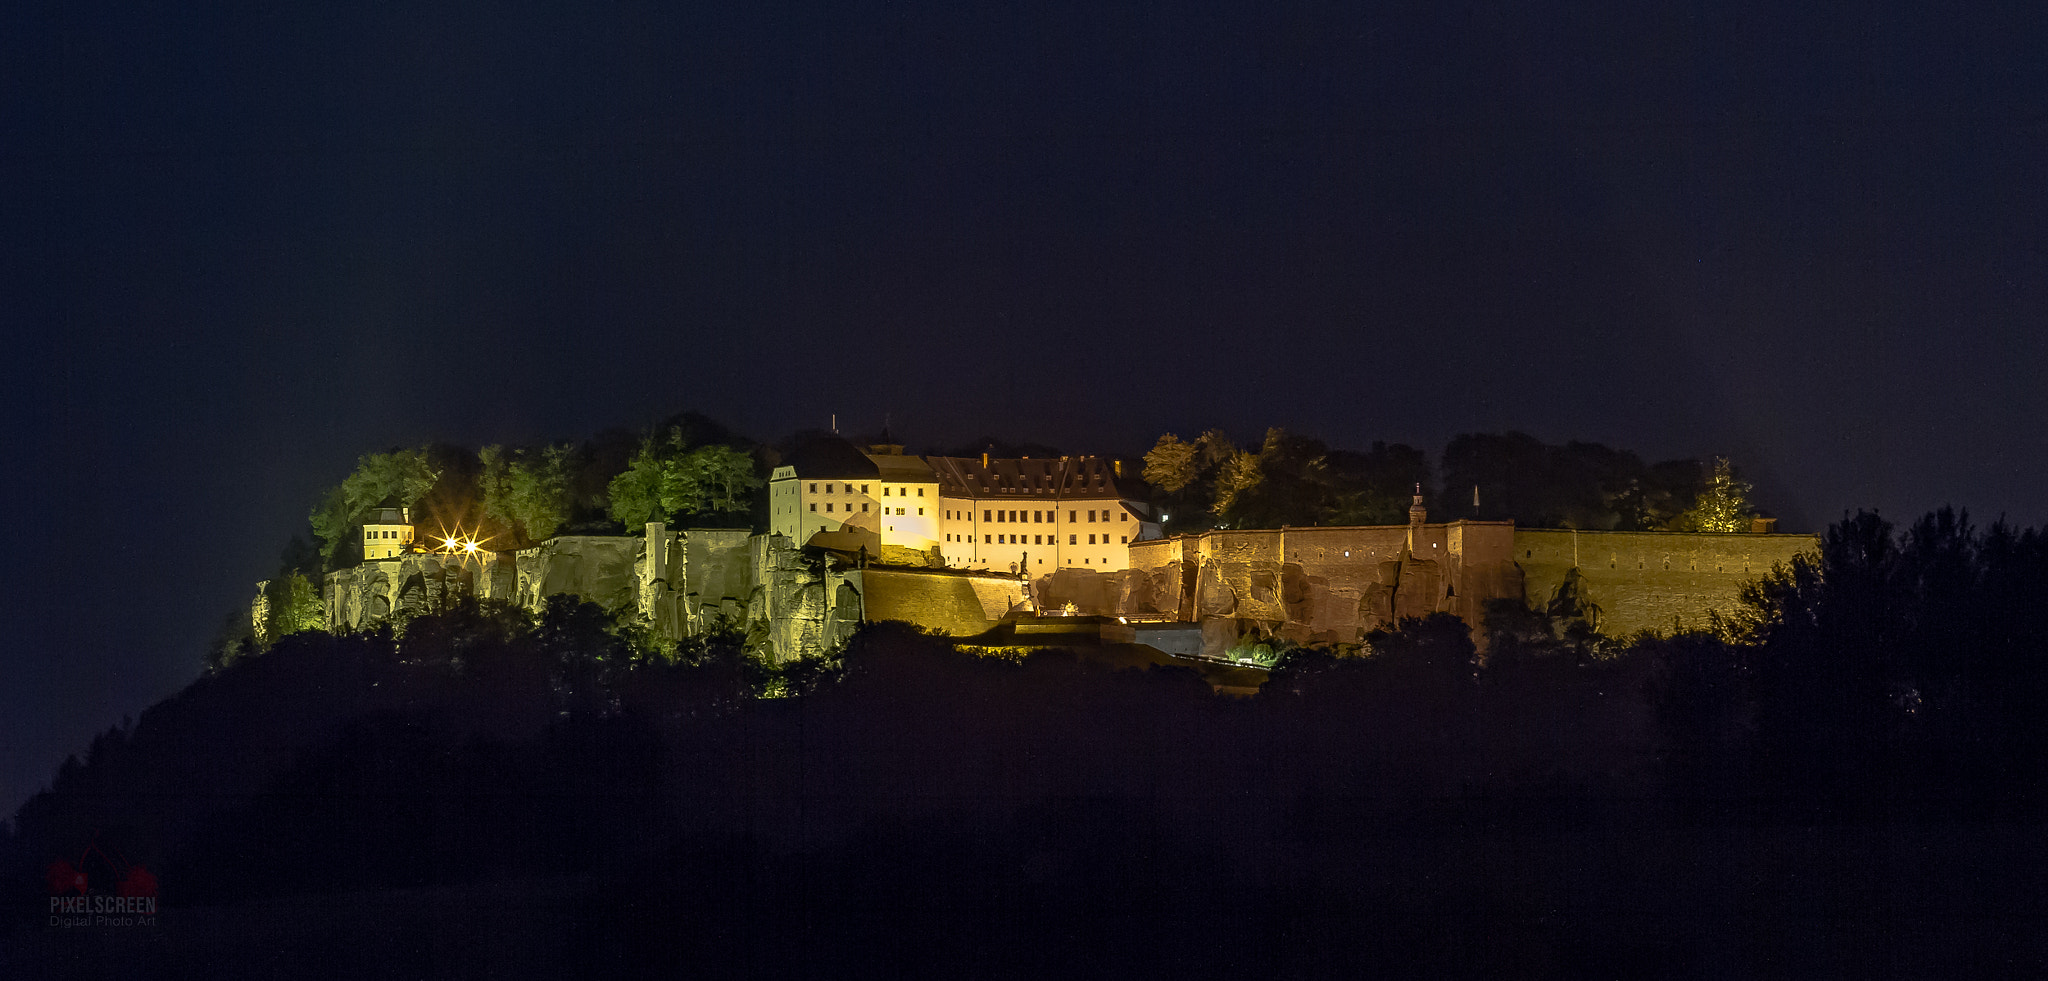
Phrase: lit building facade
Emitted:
{"points": [[830, 486], [387, 533], [1038, 515]]}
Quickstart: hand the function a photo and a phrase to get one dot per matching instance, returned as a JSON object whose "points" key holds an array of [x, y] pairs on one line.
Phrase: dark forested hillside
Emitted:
{"points": [[1845, 779]]}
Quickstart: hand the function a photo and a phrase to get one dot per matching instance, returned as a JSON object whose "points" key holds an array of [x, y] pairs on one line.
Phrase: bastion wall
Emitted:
{"points": [[1662, 581], [1333, 585], [788, 603]]}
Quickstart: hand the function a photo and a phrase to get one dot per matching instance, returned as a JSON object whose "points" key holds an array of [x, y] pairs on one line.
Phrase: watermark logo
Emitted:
{"points": [[113, 893]]}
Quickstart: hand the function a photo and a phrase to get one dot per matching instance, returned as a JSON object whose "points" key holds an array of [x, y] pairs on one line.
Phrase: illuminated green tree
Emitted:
{"points": [[667, 478], [295, 607], [709, 480], [1170, 465], [1723, 504], [528, 491], [401, 475], [635, 494]]}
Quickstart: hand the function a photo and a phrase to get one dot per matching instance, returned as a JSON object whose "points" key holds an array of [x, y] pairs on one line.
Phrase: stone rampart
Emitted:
{"points": [[1650, 580], [956, 602], [1332, 585]]}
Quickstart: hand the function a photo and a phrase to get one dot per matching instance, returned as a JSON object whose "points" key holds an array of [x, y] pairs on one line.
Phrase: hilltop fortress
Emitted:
{"points": [[965, 545]]}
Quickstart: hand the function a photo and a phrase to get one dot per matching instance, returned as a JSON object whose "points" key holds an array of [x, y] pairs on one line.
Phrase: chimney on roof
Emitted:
{"points": [[1118, 466]]}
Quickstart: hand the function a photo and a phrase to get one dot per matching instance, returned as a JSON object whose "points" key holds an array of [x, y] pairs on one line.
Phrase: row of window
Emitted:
{"points": [[1039, 517], [849, 509], [864, 489], [1035, 539], [381, 534]]}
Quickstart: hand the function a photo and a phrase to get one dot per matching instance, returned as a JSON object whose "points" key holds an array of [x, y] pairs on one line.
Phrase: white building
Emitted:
{"points": [[1038, 515], [830, 486], [387, 532]]}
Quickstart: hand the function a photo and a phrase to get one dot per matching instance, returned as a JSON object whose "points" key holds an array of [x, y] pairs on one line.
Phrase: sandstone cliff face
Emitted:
{"points": [[599, 568], [378, 590]]}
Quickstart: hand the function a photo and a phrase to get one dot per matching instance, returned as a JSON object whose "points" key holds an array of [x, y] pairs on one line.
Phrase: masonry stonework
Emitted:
{"points": [[1659, 581], [1333, 585]]}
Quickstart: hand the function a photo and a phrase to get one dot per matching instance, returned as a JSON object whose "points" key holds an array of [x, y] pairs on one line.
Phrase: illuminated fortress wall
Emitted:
{"points": [[787, 603], [1650, 580], [1324, 585]]}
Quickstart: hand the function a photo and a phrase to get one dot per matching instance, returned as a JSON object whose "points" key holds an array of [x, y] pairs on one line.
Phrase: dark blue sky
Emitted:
{"points": [[244, 244]]}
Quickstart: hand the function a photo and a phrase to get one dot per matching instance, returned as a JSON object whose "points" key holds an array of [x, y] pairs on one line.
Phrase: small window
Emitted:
{"points": [[1073, 540], [986, 515], [1126, 540], [885, 491], [985, 539], [828, 507], [864, 489], [920, 492], [899, 511], [814, 507], [1073, 516], [1091, 539], [814, 488], [863, 506], [828, 488], [920, 512], [1123, 516]]}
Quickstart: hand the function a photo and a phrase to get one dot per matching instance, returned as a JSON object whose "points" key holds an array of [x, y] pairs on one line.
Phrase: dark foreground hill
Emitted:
{"points": [[1843, 783]]}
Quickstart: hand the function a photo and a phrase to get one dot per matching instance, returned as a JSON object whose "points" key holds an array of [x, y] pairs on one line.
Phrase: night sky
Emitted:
{"points": [[244, 245]]}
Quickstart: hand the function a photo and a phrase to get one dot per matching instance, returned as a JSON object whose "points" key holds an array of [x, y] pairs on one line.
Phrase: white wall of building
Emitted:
{"points": [[801, 506]]}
